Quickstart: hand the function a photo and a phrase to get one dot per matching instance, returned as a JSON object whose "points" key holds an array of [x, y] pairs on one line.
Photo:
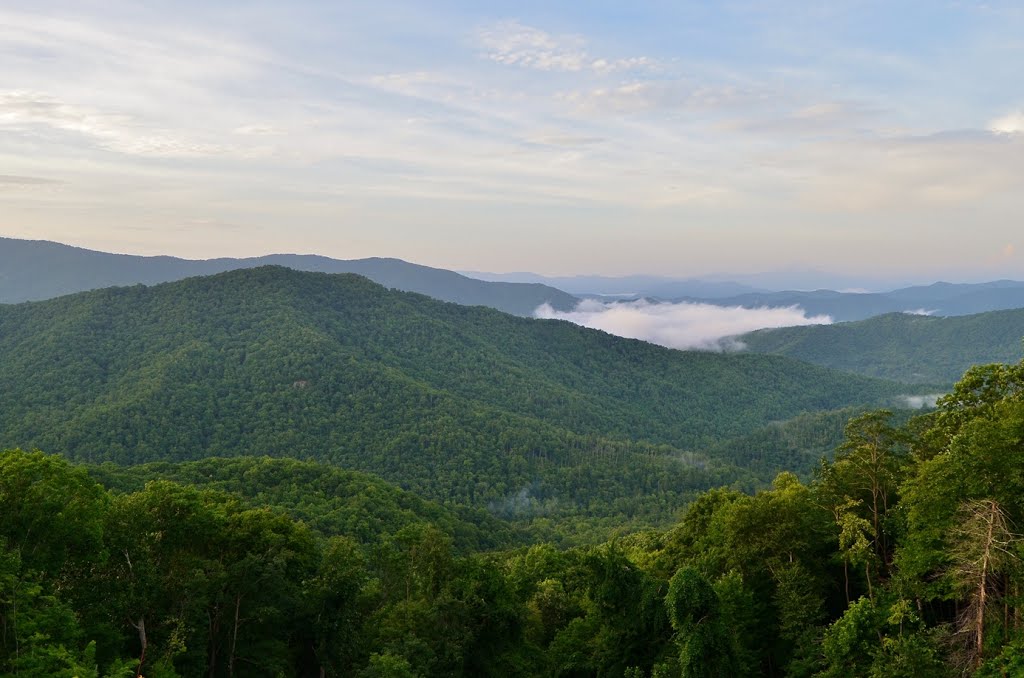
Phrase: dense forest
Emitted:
{"points": [[901, 556], [459, 404], [276, 473], [901, 346]]}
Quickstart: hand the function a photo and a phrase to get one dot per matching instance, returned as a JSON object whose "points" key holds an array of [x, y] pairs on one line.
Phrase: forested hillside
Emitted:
{"points": [[330, 500], [73, 269], [901, 558], [798, 444], [456, 403], [901, 346]]}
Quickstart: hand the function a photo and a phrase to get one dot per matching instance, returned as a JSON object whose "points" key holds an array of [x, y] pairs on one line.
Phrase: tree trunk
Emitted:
{"points": [[979, 623], [234, 636], [846, 579], [14, 621], [1016, 606], [1006, 608], [214, 629], [144, 642], [876, 523]]}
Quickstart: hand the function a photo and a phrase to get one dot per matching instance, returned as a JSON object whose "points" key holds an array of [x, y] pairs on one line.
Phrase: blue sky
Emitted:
{"points": [[883, 139]]}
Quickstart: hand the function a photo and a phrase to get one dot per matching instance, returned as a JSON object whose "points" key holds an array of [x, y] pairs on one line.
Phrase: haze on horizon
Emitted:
{"points": [[682, 139]]}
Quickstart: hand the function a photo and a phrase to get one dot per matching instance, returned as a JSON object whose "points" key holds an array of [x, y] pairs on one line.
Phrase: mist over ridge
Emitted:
{"points": [[693, 313], [680, 325]]}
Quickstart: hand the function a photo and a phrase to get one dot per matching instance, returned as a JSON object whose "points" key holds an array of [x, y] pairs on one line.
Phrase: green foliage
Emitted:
{"points": [[1009, 661], [851, 641], [525, 418], [387, 666], [851, 646], [701, 634], [328, 499], [901, 557], [51, 511], [909, 348], [39, 634]]}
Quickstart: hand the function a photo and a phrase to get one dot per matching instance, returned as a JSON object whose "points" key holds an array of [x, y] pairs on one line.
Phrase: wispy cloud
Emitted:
{"points": [[681, 325], [26, 111], [809, 120], [904, 173], [686, 139], [258, 130], [16, 180], [515, 44], [660, 95], [563, 139]]}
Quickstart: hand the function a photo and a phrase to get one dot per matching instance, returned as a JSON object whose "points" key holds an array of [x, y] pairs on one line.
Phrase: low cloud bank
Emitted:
{"points": [[920, 311], [917, 402], [681, 325]]}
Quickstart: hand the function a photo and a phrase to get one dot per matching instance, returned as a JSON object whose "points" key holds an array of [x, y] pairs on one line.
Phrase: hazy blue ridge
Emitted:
{"points": [[73, 269]]}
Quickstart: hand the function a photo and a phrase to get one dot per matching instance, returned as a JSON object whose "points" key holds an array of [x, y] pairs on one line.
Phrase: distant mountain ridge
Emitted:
{"points": [[32, 270], [629, 285], [711, 285], [908, 348], [754, 291], [939, 299], [73, 269]]}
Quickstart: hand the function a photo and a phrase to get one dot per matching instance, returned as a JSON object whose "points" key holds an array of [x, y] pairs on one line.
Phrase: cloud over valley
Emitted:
{"points": [[680, 325]]}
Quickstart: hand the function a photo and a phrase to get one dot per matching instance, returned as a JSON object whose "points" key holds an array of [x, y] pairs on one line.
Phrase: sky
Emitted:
{"points": [[677, 138]]}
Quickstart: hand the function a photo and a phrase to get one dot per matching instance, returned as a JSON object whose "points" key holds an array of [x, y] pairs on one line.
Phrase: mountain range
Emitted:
{"points": [[706, 285], [456, 403], [656, 287], [72, 269], [939, 299]]}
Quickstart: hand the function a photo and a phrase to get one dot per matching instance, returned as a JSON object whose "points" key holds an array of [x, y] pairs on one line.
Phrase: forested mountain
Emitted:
{"points": [[900, 346], [900, 558], [458, 403], [940, 299], [72, 269]]}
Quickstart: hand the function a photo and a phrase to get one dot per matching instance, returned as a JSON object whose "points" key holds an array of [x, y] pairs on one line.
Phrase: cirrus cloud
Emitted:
{"points": [[515, 44], [22, 111]]}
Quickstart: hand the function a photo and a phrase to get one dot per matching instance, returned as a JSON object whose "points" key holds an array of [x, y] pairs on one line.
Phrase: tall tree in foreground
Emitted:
{"points": [[983, 549]]}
